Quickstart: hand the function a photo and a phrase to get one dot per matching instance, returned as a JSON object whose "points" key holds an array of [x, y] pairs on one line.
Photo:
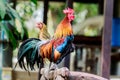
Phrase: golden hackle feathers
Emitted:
{"points": [[64, 28], [44, 34]]}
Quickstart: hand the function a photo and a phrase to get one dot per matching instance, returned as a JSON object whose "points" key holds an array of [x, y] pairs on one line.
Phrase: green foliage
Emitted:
{"points": [[57, 11], [12, 39], [2, 9], [12, 13], [26, 9], [34, 1], [92, 8], [83, 11], [7, 23]]}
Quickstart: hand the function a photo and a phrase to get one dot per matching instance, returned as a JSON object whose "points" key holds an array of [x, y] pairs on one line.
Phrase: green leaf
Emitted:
{"points": [[24, 33], [6, 18], [10, 36], [12, 12], [34, 1], [2, 9]]}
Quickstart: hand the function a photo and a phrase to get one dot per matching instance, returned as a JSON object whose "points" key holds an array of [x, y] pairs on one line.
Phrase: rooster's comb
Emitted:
{"points": [[70, 13]]}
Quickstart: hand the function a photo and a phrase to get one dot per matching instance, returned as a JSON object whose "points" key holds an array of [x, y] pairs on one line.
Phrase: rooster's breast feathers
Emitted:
{"points": [[55, 48]]}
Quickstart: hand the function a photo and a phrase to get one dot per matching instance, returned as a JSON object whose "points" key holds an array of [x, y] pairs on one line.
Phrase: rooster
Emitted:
{"points": [[44, 34], [55, 49]]}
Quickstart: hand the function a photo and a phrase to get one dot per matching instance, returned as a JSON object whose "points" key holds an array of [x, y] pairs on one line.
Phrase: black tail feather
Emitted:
{"points": [[29, 51]]}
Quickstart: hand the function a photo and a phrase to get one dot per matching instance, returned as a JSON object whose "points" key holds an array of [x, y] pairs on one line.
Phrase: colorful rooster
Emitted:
{"points": [[55, 49], [44, 34]]}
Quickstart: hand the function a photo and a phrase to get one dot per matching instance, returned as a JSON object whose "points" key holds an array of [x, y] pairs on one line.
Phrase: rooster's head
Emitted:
{"points": [[69, 13]]}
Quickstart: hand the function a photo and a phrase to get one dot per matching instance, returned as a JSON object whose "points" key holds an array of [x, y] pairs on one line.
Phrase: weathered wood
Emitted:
{"points": [[115, 57], [82, 1], [106, 40], [69, 3], [23, 75], [84, 76], [46, 4], [101, 6], [116, 9], [83, 40], [6, 71], [54, 73]]}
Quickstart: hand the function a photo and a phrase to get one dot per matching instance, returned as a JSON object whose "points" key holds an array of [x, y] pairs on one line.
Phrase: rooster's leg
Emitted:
{"points": [[39, 72], [53, 66], [50, 64]]}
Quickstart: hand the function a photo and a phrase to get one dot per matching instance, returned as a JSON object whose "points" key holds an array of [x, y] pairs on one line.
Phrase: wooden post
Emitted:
{"points": [[101, 6], [116, 9], [106, 39], [46, 2], [69, 3]]}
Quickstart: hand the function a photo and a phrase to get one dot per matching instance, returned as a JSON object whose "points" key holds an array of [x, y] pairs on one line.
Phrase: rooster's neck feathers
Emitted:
{"points": [[64, 28], [44, 34]]}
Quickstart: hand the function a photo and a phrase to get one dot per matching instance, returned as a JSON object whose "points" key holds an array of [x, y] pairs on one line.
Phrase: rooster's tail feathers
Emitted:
{"points": [[29, 51]]}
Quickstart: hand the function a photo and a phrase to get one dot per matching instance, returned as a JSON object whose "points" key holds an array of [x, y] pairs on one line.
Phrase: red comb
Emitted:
{"points": [[68, 11]]}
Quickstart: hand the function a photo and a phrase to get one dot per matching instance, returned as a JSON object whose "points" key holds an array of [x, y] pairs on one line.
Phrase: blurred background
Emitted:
{"points": [[17, 23]]}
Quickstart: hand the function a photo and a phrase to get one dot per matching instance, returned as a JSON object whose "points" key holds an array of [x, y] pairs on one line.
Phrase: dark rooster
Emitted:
{"points": [[55, 49]]}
